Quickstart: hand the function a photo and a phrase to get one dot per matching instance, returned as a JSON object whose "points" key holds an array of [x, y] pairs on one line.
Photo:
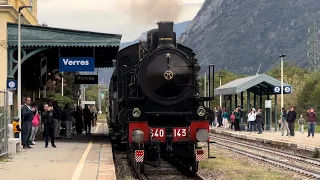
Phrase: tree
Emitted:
{"points": [[70, 89], [92, 94], [62, 100]]}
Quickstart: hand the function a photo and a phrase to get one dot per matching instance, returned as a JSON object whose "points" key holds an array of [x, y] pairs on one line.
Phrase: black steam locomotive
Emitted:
{"points": [[155, 106]]}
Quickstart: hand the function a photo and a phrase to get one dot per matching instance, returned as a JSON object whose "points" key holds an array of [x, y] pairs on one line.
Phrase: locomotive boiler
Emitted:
{"points": [[156, 107]]}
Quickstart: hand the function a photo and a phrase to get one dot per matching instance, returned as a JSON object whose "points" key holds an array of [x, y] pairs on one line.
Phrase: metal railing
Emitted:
{"points": [[3, 123]]}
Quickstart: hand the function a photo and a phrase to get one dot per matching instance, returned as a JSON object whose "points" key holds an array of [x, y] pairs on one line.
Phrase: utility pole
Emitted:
{"points": [[99, 100], [313, 42], [19, 63], [282, 56], [62, 85], [220, 79], [205, 87]]}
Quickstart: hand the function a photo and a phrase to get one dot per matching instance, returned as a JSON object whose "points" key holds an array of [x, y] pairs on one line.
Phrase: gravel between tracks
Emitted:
{"points": [[123, 170], [230, 165]]}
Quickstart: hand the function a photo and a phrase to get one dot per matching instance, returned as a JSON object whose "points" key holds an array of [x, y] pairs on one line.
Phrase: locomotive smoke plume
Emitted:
{"points": [[146, 12]]}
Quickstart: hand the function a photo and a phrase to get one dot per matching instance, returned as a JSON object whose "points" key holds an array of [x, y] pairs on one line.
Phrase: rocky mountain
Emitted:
{"points": [[238, 35], [179, 28]]}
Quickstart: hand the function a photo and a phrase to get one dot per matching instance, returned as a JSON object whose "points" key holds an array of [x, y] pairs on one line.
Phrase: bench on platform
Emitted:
{"points": [[14, 145]]}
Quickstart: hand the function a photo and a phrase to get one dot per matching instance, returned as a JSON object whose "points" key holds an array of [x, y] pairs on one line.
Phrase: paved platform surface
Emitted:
{"points": [[274, 137], [81, 158]]}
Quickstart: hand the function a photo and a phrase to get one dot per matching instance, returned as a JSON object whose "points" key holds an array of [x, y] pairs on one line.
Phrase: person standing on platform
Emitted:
{"points": [[79, 121], [312, 118], [259, 119], [57, 119], [301, 122], [292, 115], [237, 119], [35, 126], [48, 125], [284, 123], [219, 116], [87, 115], [68, 119], [225, 117], [241, 118], [251, 119], [27, 117], [16, 127]]}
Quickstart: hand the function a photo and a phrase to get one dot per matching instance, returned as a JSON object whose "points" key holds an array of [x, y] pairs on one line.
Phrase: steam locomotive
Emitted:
{"points": [[155, 107]]}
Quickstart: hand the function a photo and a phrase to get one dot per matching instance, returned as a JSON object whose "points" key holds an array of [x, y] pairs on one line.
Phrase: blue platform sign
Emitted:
{"points": [[11, 84], [76, 64], [286, 90]]}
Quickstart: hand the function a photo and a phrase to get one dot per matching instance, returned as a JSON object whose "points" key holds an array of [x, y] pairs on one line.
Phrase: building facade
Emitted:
{"points": [[9, 13]]}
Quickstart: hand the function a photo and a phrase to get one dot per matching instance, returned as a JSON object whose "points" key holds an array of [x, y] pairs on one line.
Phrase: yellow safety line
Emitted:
{"points": [[77, 172]]}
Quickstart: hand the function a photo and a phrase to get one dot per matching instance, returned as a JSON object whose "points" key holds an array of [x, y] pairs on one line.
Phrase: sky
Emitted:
{"points": [[115, 16]]}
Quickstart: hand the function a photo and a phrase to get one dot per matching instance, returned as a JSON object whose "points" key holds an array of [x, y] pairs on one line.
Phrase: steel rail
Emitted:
{"points": [[272, 161], [270, 150]]}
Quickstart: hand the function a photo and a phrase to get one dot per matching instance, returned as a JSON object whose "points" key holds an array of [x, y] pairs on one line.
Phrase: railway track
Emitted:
{"points": [[302, 164], [166, 170]]}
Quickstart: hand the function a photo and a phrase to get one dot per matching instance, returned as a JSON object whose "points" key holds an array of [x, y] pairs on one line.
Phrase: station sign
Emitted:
{"points": [[286, 90], [11, 84], [76, 64], [86, 79]]}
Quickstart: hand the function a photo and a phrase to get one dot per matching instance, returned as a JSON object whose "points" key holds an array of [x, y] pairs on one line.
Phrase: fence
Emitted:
{"points": [[3, 123]]}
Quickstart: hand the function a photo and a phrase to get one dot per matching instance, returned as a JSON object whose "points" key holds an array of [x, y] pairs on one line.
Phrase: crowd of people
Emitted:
{"points": [[54, 120], [234, 120]]}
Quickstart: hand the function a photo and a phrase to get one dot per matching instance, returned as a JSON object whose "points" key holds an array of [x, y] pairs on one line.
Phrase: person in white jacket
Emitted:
{"points": [[251, 119]]}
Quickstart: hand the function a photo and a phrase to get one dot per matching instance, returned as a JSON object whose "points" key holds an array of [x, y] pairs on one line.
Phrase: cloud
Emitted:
{"points": [[105, 16]]}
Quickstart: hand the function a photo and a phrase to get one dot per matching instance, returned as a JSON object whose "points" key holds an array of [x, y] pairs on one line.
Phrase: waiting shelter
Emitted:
{"points": [[261, 85]]}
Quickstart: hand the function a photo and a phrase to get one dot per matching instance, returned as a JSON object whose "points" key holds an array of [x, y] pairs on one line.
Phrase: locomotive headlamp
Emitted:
{"points": [[202, 135], [137, 136], [201, 111], [136, 112]]}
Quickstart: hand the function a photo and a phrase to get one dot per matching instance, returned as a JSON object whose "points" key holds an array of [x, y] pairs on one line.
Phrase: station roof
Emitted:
{"points": [[261, 83], [104, 45], [41, 36]]}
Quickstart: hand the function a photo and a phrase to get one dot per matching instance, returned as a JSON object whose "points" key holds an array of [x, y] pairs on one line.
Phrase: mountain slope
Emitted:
{"points": [[239, 35], [179, 28]]}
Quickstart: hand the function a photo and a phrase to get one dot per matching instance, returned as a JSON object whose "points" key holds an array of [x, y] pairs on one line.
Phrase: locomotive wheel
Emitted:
{"points": [[194, 166], [141, 167]]}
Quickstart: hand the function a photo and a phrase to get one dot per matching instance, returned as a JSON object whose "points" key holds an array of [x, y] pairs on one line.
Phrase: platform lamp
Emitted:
{"points": [[282, 56], [19, 62], [220, 79]]}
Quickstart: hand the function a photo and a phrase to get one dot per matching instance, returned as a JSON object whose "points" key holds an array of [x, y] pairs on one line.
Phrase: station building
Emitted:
{"points": [[41, 48]]}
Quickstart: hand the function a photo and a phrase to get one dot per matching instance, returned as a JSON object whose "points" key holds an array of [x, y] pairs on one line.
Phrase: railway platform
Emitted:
{"points": [[300, 141], [81, 158]]}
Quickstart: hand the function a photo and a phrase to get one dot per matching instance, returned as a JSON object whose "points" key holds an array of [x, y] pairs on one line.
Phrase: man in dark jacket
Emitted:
{"points": [[48, 125], [219, 116], [291, 117], [27, 116], [87, 115], [259, 119], [312, 118], [57, 119]]}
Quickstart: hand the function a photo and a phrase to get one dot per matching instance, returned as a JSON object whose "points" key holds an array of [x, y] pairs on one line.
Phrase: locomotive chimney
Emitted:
{"points": [[166, 34]]}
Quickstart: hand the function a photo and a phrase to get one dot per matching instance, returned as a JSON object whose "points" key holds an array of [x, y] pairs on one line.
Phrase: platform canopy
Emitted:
{"points": [[258, 84], [104, 45]]}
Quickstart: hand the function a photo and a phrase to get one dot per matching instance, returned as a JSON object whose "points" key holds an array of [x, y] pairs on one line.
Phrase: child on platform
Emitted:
{"points": [[301, 122], [16, 127]]}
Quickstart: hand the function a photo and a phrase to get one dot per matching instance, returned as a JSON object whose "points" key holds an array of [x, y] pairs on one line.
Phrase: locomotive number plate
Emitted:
{"points": [[158, 134], [180, 134]]}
